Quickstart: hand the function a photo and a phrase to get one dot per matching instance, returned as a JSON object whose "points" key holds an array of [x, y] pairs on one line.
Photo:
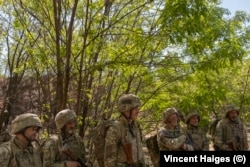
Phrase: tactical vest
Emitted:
{"points": [[233, 131], [198, 138], [130, 135]]}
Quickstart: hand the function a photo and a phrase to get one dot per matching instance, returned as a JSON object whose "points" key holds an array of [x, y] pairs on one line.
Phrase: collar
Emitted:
{"points": [[20, 144], [125, 122]]}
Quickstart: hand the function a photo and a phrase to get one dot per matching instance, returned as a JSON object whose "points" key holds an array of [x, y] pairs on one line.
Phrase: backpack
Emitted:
{"points": [[212, 127], [5, 136], [98, 139], [153, 149], [9, 156], [211, 131]]}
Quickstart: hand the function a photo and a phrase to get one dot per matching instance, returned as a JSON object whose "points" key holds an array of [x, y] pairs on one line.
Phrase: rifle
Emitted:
{"points": [[235, 145], [68, 152], [128, 151]]}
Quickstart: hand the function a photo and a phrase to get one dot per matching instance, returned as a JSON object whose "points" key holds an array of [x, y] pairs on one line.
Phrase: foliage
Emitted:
{"points": [[84, 54]]}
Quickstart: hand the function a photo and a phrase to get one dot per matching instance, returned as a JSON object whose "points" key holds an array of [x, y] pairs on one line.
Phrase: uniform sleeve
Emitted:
{"points": [[50, 151], [110, 151], [218, 139], [170, 143], [4, 156]]}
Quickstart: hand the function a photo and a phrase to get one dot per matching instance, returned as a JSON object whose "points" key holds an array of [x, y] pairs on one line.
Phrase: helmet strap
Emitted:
{"points": [[22, 133], [129, 122], [129, 117]]}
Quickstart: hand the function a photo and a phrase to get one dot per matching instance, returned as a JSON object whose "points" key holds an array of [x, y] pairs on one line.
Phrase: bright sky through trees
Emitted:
{"points": [[234, 5]]}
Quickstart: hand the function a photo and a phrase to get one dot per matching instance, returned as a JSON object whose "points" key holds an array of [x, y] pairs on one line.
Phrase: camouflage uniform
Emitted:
{"points": [[4, 136], [122, 134], [172, 139], [197, 136], [54, 147], [15, 153], [230, 135]]}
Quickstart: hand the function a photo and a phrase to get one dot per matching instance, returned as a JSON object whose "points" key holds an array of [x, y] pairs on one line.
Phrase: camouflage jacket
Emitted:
{"points": [[172, 139], [198, 138], [14, 154], [230, 135], [115, 155], [57, 151]]}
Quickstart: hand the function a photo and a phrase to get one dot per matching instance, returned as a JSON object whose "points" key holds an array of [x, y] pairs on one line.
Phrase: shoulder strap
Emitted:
{"points": [[122, 134], [8, 146], [140, 129], [120, 130]]}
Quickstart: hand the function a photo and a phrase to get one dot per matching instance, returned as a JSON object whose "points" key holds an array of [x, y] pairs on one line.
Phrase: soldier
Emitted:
{"points": [[171, 137], [67, 148], [23, 149], [123, 144], [230, 132], [195, 133]]}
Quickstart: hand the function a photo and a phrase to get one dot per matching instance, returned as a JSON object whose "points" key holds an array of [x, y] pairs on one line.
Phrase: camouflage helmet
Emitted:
{"points": [[23, 121], [128, 102], [168, 112], [63, 117], [189, 116], [231, 108]]}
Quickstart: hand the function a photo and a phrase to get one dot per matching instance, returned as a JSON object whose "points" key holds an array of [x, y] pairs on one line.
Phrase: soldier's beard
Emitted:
{"points": [[31, 139], [174, 123], [234, 119], [193, 125], [71, 131]]}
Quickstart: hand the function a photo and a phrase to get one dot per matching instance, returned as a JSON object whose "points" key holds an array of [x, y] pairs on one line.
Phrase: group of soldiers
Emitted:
{"points": [[230, 133], [66, 149], [63, 150]]}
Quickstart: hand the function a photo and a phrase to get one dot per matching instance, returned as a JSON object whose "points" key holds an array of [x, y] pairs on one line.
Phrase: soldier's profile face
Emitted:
{"points": [[135, 113], [31, 132]]}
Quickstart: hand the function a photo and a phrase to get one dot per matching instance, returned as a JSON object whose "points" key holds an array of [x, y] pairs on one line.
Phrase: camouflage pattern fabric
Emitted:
{"points": [[231, 135], [15, 154], [114, 153], [172, 140], [5, 136], [198, 138], [53, 155]]}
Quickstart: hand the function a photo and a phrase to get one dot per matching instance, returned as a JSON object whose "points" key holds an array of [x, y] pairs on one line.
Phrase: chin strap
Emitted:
{"points": [[129, 122], [22, 133]]}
